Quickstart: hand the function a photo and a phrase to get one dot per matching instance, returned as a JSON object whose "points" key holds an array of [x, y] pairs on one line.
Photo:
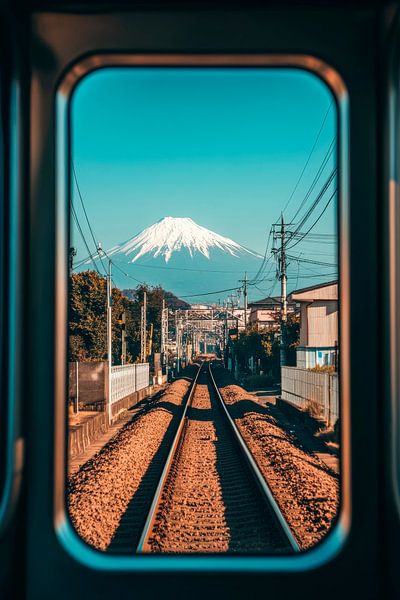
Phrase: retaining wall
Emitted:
{"points": [[82, 435]]}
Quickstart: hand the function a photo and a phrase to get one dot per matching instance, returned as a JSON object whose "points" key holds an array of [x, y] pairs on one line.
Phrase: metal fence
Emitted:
{"points": [[309, 390], [127, 379]]}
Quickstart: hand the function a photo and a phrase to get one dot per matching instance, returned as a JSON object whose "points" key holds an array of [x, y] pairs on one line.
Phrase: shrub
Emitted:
{"points": [[258, 381], [323, 369]]}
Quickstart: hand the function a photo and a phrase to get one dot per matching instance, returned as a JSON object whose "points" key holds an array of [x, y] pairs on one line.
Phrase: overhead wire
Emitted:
{"points": [[308, 158], [314, 205], [315, 222], [315, 180], [83, 236], [86, 216]]}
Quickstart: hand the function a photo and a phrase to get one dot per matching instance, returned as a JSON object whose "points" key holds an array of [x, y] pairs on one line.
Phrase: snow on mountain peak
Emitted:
{"points": [[171, 234]]}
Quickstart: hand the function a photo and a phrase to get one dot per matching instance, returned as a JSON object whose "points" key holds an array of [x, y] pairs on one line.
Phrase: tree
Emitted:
{"points": [[88, 318], [264, 347]]}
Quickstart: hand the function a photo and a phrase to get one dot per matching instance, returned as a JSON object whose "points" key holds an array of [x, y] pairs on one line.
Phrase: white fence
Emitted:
{"points": [[312, 391], [127, 379]]}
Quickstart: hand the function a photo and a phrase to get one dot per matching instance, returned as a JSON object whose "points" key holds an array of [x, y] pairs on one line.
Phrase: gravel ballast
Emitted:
{"points": [[306, 490], [99, 493], [193, 514]]}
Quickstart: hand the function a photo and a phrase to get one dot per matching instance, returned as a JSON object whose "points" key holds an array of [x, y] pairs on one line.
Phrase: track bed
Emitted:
{"points": [[210, 500]]}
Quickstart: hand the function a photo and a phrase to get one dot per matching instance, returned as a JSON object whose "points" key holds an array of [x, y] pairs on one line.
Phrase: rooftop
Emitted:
{"points": [[269, 302]]}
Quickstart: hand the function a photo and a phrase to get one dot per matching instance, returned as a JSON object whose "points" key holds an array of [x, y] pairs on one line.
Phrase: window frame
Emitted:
{"points": [[12, 270], [332, 544]]}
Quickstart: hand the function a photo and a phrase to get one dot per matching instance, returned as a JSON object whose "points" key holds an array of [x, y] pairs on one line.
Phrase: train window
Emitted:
{"points": [[3, 395], [203, 400]]}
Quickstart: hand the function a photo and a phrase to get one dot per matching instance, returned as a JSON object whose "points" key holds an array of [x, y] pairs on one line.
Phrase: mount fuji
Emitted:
{"points": [[184, 258]]}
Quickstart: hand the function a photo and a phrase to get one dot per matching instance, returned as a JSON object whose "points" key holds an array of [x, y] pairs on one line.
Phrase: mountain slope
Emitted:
{"points": [[173, 234], [183, 257]]}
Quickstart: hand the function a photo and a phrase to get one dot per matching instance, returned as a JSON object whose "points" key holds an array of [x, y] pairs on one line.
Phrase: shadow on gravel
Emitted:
{"points": [[252, 529], [302, 438], [241, 408], [127, 535]]}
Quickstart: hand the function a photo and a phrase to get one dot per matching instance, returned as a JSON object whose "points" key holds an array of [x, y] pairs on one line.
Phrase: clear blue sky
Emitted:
{"points": [[222, 146]]}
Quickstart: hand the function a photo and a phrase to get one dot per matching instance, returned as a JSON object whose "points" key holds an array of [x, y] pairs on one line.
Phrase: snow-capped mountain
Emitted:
{"points": [[173, 234], [184, 258]]}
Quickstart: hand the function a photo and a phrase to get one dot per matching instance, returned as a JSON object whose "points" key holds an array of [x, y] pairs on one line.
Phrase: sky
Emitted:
{"points": [[225, 147]]}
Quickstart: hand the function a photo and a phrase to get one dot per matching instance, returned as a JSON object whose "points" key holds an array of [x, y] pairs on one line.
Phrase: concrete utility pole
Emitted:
{"points": [[122, 322], [164, 335], [101, 252], [283, 278], [143, 329], [109, 337], [245, 282], [177, 342]]}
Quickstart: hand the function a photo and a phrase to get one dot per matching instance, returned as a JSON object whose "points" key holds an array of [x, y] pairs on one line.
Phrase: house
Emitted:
{"points": [[263, 312], [318, 325]]}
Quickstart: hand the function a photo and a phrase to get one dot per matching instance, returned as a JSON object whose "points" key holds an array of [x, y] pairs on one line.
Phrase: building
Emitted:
{"points": [[263, 312], [318, 325]]}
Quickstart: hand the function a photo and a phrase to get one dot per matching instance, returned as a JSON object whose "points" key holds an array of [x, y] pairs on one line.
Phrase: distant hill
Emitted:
{"points": [[173, 302]]}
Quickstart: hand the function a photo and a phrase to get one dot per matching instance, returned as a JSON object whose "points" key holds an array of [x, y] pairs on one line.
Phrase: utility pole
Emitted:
{"points": [[122, 322], [101, 252], [283, 278], [143, 329], [164, 336], [280, 232], [149, 348], [177, 342], [109, 337], [245, 282]]}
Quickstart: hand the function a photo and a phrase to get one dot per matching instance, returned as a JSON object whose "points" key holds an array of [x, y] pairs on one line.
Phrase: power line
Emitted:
{"points": [[122, 271], [313, 206], [188, 269], [265, 261], [308, 159], [310, 261], [316, 178], [83, 237], [86, 215], [211, 293], [315, 222]]}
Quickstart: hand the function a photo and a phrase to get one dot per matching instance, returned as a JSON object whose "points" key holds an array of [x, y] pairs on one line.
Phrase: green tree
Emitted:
{"points": [[264, 346], [88, 318]]}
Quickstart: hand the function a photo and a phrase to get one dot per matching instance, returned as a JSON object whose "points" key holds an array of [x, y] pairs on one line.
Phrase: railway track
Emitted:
{"points": [[211, 496]]}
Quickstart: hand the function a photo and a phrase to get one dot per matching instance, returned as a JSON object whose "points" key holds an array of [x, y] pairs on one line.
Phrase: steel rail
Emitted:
{"points": [[151, 517], [255, 470]]}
